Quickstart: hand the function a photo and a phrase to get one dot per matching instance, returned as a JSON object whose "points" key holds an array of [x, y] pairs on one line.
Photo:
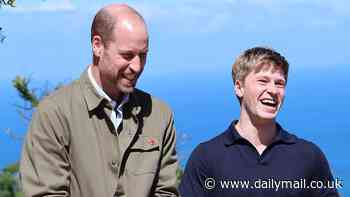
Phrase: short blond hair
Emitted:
{"points": [[254, 57]]}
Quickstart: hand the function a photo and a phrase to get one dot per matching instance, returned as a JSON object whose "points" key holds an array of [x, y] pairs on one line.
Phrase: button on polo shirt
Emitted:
{"points": [[229, 165]]}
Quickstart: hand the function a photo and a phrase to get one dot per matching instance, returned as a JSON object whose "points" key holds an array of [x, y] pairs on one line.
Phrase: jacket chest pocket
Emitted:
{"points": [[144, 156]]}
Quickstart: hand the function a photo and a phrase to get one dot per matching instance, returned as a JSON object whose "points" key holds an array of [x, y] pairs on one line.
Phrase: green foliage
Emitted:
{"points": [[12, 168], [19, 194], [22, 86], [10, 3], [8, 183], [7, 3]]}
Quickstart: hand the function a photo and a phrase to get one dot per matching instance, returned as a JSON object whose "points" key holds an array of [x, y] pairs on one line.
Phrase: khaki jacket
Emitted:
{"points": [[71, 148]]}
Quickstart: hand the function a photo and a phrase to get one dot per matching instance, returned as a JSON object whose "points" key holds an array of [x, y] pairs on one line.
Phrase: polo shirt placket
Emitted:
{"points": [[249, 152]]}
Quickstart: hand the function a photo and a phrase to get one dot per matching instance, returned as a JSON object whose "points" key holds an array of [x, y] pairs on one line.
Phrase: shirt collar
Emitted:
{"points": [[232, 136], [103, 94], [284, 136], [92, 98]]}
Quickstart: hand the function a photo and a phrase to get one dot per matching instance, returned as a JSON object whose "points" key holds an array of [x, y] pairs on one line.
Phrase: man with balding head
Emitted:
{"points": [[100, 136]]}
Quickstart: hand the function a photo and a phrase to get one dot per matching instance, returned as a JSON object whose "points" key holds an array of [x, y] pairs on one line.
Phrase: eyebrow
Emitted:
{"points": [[265, 76], [131, 51]]}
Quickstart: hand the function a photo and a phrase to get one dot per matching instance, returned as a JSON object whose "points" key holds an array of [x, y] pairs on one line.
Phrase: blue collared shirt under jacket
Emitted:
{"points": [[229, 165]]}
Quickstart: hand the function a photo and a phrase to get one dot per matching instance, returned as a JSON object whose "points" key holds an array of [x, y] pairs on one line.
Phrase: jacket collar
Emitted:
{"points": [[91, 96]]}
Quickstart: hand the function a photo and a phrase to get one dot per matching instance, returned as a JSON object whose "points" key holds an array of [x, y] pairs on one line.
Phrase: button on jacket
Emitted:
{"points": [[72, 148]]}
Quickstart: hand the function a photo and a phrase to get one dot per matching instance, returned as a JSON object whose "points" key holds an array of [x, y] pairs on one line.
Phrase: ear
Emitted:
{"points": [[239, 89], [97, 45]]}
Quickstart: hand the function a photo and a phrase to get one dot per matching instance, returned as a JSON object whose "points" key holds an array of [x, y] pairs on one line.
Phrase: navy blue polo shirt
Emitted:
{"points": [[229, 165]]}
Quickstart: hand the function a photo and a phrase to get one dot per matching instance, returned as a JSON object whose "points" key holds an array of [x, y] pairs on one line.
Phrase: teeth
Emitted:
{"points": [[269, 102], [130, 79]]}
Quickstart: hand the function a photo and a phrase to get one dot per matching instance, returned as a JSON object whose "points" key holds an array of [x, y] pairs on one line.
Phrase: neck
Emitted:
{"points": [[108, 88], [259, 133]]}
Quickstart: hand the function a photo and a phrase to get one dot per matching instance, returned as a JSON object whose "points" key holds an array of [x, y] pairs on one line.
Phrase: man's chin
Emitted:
{"points": [[127, 89], [267, 117]]}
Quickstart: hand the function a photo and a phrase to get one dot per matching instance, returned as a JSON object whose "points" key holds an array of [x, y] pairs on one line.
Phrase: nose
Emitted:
{"points": [[272, 88], [136, 64]]}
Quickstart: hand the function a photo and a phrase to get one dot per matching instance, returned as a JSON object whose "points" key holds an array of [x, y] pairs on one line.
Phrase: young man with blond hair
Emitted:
{"points": [[255, 156]]}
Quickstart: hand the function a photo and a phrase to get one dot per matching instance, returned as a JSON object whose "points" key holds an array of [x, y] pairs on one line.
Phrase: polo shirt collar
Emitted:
{"points": [[283, 136], [232, 136]]}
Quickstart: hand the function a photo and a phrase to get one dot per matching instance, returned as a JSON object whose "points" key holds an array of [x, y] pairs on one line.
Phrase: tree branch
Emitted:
{"points": [[2, 37], [12, 135], [7, 3], [21, 84], [23, 115]]}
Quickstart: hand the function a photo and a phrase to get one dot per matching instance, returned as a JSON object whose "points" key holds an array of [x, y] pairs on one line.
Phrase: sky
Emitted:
{"points": [[192, 47]]}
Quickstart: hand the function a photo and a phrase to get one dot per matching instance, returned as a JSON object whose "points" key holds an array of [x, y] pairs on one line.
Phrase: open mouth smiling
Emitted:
{"points": [[269, 102]]}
